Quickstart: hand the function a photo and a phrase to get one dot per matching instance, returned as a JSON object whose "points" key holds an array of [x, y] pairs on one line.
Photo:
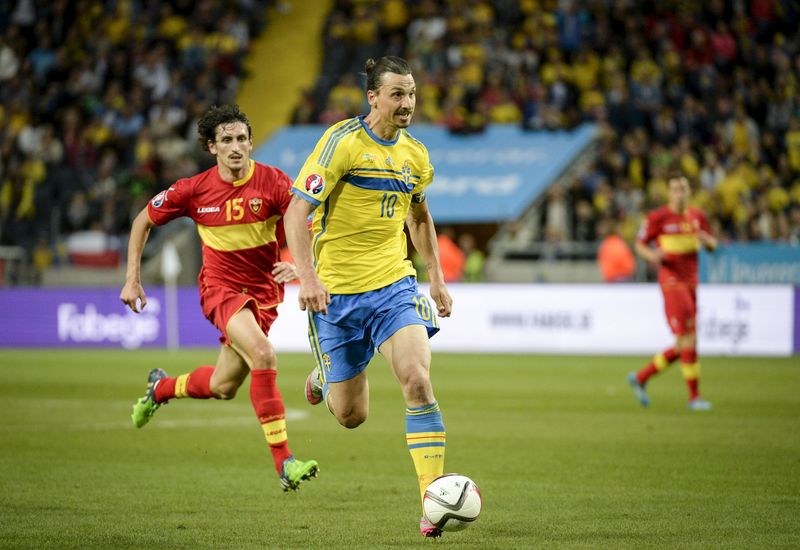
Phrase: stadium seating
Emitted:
{"points": [[98, 111], [707, 89]]}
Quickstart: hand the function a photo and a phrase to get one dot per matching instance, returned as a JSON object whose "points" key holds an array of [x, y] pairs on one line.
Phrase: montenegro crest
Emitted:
{"points": [[255, 205]]}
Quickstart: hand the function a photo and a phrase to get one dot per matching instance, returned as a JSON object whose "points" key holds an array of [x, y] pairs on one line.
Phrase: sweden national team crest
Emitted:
{"points": [[326, 361], [255, 205], [315, 184], [406, 172]]}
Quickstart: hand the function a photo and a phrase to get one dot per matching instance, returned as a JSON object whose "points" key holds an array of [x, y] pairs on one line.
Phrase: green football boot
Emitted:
{"points": [[294, 472], [146, 406]]}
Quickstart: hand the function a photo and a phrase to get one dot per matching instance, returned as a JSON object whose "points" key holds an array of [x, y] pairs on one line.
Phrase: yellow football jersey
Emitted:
{"points": [[362, 186]]}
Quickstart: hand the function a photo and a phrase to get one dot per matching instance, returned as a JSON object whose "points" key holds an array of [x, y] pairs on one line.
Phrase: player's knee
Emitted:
{"points": [[351, 418], [263, 357], [351, 421], [417, 386]]}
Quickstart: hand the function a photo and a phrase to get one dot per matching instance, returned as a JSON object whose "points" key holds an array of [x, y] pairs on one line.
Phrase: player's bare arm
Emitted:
{"points": [[650, 254], [708, 241], [423, 235], [313, 294], [132, 294]]}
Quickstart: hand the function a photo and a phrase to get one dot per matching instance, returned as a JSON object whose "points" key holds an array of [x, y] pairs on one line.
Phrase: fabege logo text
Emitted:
{"points": [[315, 184], [93, 327]]}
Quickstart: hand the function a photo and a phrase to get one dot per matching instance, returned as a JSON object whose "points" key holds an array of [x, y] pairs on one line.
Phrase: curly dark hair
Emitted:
{"points": [[225, 114]]}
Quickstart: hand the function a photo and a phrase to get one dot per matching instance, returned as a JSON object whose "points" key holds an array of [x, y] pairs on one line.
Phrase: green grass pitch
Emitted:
{"points": [[562, 453]]}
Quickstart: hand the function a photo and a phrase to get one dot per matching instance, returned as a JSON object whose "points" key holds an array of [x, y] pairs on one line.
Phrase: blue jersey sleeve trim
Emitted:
{"points": [[302, 195]]}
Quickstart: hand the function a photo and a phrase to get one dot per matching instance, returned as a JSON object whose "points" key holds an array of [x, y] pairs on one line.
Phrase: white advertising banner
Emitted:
{"points": [[588, 319]]}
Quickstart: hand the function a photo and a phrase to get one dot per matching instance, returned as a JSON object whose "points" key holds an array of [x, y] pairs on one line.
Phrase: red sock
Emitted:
{"points": [[643, 375], [694, 388], [268, 405], [691, 372], [196, 384], [659, 363]]}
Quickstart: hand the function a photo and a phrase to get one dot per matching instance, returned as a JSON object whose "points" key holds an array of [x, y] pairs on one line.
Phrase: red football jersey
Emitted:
{"points": [[240, 226], [676, 235]]}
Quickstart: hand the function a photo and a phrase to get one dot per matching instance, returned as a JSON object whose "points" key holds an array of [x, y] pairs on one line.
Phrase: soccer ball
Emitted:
{"points": [[452, 502]]}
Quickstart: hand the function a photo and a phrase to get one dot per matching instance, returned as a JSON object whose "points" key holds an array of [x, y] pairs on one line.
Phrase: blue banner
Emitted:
{"points": [[758, 263], [489, 177]]}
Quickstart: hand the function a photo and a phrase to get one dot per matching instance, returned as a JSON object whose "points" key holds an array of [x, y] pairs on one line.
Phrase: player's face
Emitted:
{"points": [[395, 99], [232, 146], [678, 193]]}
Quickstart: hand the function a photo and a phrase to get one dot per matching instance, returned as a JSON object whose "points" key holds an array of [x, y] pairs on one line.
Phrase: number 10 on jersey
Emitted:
{"points": [[387, 205]]}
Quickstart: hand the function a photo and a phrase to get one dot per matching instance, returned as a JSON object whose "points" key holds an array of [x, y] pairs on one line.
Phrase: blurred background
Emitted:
{"points": [[552, 126], [571, 114]]}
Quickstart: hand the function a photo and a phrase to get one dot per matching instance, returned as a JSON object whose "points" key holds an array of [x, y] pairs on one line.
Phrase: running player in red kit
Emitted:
{"points": [[678, 231], [238, 207]]}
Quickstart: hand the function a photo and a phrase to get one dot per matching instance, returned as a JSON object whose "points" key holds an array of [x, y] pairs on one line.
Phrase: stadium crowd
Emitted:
{"points": [[98, 109], [708, 88], [98, 101]]}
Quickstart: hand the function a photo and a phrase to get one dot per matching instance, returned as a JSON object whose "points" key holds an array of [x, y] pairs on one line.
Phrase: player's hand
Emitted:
{"points": [[657, 256], [284, 272], [133, 296], [440, 295], [314, 296], [706, 240]]}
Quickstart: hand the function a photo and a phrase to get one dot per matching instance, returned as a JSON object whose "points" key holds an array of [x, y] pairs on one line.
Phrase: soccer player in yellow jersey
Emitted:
{"points": [[364, 181], [237, 206]]}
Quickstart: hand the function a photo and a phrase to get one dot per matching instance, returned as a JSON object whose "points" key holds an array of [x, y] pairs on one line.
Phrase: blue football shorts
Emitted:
{"points": [[344, 340]]}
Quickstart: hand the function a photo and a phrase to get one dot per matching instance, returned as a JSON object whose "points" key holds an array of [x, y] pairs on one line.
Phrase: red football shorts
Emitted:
{"points": [[220, 303], [680, 306]]}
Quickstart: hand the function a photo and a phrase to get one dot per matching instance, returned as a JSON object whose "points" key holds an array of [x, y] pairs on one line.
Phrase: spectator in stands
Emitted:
{"points": [[474, 259], [76, 86], [614, 256], [684, 83], [451, 257]]}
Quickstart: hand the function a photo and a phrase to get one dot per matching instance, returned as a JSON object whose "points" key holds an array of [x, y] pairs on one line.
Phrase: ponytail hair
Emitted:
{"points": [[388, 64]]}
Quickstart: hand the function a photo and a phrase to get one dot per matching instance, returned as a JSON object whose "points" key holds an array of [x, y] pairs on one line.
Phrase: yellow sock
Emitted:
{"points": [[425, 437]]}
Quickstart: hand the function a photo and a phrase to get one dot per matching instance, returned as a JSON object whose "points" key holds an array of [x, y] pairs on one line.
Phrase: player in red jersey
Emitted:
{"points": [[678, 231], [238, 207]]}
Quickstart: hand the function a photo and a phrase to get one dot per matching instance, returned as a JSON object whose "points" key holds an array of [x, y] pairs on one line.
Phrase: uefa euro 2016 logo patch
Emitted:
{"points": [[158, 200], [315, 184]]}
